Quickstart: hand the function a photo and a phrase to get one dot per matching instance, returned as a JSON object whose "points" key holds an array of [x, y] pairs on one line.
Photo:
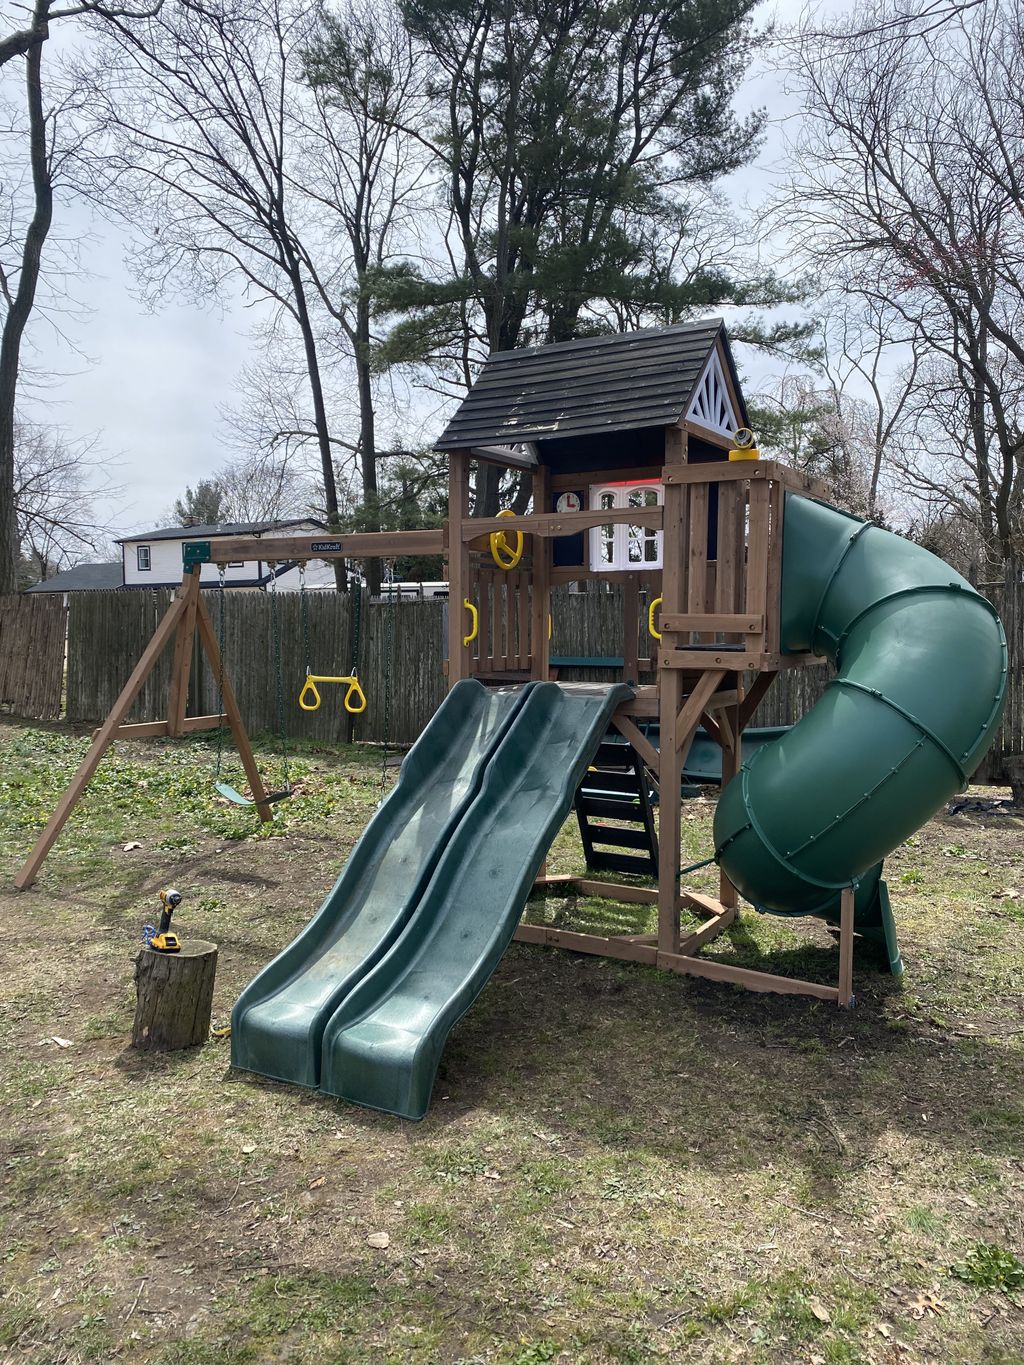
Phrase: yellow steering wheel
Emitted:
{"points": [[502, 552]]}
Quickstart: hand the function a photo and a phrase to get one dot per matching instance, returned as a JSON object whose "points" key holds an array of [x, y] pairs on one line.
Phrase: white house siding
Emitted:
{"points": [[166, 561]]}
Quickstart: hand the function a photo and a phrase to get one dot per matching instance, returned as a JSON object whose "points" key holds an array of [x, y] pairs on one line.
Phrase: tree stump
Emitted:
{"points": [[174, 997]]}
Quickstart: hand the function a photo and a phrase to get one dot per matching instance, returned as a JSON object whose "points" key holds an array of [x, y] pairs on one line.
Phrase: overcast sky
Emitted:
{"points": [[152, 389]]}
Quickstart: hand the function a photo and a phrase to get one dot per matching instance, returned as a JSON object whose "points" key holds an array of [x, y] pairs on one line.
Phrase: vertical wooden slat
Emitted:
{"points": [[670, 697], [696, 594], [540, 605]]}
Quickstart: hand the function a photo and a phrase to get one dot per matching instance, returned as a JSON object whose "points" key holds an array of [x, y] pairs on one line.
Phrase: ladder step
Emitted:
{"points": [[617, 809], [619, 837], [622, 862]]}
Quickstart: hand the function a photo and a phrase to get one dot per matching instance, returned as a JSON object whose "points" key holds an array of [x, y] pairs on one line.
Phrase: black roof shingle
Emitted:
{"points": [[598, 384]]}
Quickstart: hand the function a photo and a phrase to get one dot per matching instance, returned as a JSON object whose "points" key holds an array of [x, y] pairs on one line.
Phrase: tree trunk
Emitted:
{"points": [[174, 997], [367, 439], [21, 305], [323, 435]]}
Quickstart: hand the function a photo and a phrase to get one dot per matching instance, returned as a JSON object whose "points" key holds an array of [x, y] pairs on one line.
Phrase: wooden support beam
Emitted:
{"points": [[540, 645], [156, 729], [639, 741], [688, 718], [324, 545], [846, 913], [103, 739], [234, 715], [756, 692], [732, 757], [744, 976], [181, 664], [459, 655], [675, 559], [728, 623], [708, 932], [555, 524]]}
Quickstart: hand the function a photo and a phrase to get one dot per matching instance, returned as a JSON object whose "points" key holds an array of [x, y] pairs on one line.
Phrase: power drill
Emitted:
{"points": [[163, 941]]}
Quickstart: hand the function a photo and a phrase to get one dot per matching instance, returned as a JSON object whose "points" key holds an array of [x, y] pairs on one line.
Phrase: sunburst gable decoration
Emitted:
{"points": [[711, 405]]}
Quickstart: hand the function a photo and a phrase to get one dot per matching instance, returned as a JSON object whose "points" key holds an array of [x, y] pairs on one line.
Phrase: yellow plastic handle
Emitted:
{"points": [[354, 700], [650, 618], [309, 697], [474, 629], [551, 626], [502, 552]]}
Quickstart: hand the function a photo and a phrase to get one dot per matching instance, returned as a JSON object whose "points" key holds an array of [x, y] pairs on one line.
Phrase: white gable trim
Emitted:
{"points": [[711, 405]]}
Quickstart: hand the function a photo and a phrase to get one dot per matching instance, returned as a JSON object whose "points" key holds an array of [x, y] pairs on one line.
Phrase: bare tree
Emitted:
{"points": [[57, 484], [368, 174], [199, 106], [907, 189]]}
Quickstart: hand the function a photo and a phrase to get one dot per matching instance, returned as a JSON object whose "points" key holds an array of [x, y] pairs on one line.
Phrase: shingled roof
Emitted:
{"points": [[599, 384]]}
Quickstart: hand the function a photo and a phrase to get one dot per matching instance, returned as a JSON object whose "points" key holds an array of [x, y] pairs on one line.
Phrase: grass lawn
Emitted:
{"points": [[618, 1165]]}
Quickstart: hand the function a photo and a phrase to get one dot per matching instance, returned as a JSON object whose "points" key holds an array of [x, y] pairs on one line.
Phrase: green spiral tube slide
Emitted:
{"points": [[921, 678]]}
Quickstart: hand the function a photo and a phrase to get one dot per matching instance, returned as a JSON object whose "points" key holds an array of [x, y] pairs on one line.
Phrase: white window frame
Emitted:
{"points": [[139, 551], [621, 533]]}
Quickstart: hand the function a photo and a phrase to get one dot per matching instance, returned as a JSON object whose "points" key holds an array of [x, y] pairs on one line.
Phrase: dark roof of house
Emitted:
{"points": [[599, 384], [225, 528], [83, 578]]}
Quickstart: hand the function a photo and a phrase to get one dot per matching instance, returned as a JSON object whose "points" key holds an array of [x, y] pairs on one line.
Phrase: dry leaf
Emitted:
{"points": [[61, 1042], [819, 1310], [380, 1241], [249, 1148], [921, 1304], [492, 1175], [320, 1180], [130, 846]]}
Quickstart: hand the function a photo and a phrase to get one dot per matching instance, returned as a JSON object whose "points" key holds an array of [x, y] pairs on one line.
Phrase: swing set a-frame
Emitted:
{"points": [[186, 618]]}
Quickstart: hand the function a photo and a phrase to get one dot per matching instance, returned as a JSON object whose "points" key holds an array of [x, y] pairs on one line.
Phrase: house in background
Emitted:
{"points": [[83, 578], [153, 559]]}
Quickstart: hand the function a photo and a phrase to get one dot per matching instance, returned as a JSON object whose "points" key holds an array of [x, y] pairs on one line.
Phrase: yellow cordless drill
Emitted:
{"points": [[163, 941]]}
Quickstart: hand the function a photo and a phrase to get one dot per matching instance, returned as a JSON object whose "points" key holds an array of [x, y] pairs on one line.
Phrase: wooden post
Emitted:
{"points": [[105, 736], [181, 666], [630, 628], [234, 715], [458, 566], [540, 647], [846, 910], [731, 760], [174, 997], [670, 692]]}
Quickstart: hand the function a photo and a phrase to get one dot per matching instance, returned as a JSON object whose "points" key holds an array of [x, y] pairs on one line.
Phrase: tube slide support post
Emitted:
{"points": [[846, 996], [731, 758], [540, 647]]}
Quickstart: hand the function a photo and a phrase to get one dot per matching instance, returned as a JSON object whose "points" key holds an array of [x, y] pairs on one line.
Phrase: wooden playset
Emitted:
{"points": [[627, 440]]}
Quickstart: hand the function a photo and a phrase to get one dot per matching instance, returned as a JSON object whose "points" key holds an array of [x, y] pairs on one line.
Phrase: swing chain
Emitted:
{"points": [[221, 574], [304, 604], [389, 583], [275, 630]]}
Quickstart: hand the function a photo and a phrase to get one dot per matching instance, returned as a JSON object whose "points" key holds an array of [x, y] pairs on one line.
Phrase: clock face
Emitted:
{"points": [[568, 502]]}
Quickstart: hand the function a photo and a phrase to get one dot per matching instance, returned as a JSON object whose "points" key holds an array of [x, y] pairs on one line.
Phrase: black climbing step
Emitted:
{"points": [[617, 787]]}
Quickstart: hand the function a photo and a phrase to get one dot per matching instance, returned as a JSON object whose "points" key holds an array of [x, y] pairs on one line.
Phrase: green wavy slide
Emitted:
{"points": [[383, 1044], [278, 1021], [921, 666], [429, 899]]}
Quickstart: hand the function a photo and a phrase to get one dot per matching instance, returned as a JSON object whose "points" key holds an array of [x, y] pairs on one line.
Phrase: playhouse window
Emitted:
{"points": [[622, 546], [142, 558]]}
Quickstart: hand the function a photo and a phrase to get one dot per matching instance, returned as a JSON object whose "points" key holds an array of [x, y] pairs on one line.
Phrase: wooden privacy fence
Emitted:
{"points": [[33, 630], [400, 651], [401, 656]]}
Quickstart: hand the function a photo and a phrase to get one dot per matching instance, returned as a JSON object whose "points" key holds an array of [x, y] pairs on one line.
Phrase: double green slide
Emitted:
{"points": [[362, 1002]]}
